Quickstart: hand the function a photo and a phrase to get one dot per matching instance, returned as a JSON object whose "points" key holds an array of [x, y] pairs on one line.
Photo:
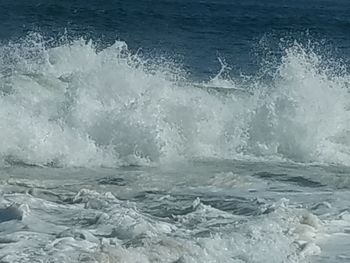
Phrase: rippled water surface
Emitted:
{"points": [[200, 212]]}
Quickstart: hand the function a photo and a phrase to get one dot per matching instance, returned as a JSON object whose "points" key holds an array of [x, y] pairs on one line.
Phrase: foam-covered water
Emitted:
{"points": [[72, 105], [205, 212]]}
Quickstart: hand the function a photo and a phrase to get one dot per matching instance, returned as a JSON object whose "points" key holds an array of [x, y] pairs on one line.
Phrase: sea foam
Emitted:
{"points": [[76, 105]]}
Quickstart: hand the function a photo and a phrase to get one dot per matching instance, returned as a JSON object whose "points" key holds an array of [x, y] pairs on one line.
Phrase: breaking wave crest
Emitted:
{"points": [[75, 105]]}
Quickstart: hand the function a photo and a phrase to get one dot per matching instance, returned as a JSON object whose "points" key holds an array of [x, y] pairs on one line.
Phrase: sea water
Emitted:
{"points": [[174, 131]]}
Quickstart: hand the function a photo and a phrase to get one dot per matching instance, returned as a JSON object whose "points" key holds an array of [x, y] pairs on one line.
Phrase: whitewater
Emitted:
{"points": [[75, 106], [108, 156]]}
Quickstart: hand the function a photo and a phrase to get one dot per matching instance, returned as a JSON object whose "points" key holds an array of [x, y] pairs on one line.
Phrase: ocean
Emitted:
{"points": [[175, 131]]}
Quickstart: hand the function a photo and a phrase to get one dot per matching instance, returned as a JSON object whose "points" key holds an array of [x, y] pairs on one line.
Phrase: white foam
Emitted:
{"points": [[72, 105], [116, 231]]}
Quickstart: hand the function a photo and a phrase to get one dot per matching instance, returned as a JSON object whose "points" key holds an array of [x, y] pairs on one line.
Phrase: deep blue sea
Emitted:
{"points": [[175, 131], [193, 33]]}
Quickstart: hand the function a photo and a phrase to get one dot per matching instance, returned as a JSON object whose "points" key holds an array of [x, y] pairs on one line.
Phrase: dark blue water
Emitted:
{"points": [[193, 33]]}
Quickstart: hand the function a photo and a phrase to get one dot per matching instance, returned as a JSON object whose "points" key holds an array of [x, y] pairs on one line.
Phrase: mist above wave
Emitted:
{"points": [[75, 105]]}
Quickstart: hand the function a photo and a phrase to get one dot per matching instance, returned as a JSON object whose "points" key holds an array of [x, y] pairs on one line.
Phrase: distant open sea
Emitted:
{"points": [[175, 131]]}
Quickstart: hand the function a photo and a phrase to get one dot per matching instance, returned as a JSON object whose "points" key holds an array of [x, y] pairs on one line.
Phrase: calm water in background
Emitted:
{"points": [[174, 131]]}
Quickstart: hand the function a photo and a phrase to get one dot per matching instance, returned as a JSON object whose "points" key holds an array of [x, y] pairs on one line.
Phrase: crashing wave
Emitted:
{"points": [[75, 105]]}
